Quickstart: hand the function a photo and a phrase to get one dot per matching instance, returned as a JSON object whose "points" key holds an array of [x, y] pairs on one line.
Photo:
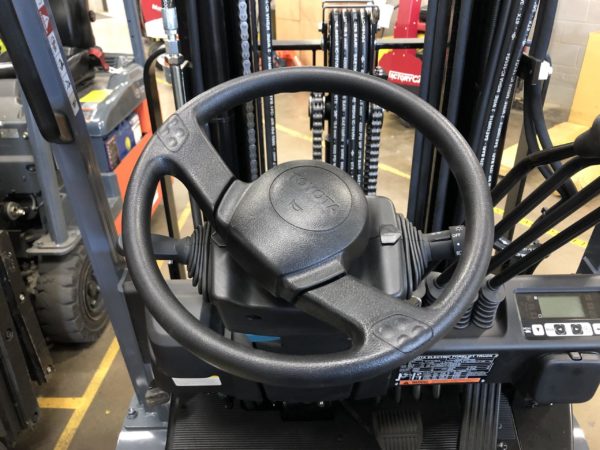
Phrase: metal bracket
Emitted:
{"points": [[46, 245], [141, 427]]}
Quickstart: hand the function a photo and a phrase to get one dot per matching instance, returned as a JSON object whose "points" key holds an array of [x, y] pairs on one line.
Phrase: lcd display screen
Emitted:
{"points": [[561, 306]]}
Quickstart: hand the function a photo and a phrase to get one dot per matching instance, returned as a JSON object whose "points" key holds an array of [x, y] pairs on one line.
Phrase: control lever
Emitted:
{"points": [[587, 144], [446, 244], [166, 248]]}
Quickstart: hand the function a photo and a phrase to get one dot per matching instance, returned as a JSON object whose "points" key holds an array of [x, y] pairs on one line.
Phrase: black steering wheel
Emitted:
{"points": [[296, 229]]}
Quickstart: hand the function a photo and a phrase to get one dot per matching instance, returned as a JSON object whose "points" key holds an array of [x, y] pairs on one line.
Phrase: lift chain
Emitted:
{"points": [[372, 148], [249, 106], [316, 112]]}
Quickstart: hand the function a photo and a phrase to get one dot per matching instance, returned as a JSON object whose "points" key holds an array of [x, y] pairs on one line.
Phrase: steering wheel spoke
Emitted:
{"points": [[367, 315], [182, 149]]}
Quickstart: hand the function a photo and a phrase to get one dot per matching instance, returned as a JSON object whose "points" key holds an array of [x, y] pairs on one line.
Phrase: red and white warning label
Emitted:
{"points": [[58, 57], [443, 369]]}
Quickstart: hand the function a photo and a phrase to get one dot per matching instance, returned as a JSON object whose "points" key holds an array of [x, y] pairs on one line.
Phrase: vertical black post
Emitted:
{"points": [[216, 69], [425, 163]]}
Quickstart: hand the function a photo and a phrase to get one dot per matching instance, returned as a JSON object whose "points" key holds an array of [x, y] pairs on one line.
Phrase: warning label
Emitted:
{"points": [[58, 58], [438, 369]]}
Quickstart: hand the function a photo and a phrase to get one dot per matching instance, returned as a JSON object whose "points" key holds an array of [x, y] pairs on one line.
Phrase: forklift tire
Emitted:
{"points": [[68, 303]]}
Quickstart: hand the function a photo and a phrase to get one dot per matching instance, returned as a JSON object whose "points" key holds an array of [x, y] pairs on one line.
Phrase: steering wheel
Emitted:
{"points": [[296, 229]]}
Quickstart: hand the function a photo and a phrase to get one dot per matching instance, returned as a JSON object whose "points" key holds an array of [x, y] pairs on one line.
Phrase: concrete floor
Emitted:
{"points": [[94, 380]]}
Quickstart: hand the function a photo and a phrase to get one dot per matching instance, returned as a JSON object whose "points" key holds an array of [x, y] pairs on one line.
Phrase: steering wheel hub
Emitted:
{"points": [[311, 198], [304, 220]]}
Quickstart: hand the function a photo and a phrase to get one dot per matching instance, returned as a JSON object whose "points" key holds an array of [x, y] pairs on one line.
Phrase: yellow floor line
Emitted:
{"points": [[68, 433], [163, 82], [393, 170], [184, 216], [83, 403], [59, 402], [76, 402], [390, 169], [293, 133]]}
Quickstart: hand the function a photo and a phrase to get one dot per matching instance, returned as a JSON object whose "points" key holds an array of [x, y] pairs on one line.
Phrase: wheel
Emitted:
{"points": [[68, 303]]}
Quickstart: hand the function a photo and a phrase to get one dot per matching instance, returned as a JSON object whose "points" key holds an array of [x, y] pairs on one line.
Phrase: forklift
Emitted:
{"points": [[35, 210], [314, 315], [50, 294]]}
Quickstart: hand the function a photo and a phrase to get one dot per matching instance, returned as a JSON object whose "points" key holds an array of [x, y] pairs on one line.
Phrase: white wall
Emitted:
{"points": [[575, 19]]}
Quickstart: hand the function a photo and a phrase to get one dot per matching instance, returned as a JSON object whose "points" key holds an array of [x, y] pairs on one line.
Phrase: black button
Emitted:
{"points": [[560, 328], [576, 328]]}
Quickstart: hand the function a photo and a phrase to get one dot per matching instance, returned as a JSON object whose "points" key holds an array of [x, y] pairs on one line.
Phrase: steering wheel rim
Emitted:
{"points": [[385, 332]]}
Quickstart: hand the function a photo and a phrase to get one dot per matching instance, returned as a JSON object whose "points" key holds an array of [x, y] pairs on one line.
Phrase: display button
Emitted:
{"points": [[559, 328], [576, 328], [596, 328], [538, 329]]}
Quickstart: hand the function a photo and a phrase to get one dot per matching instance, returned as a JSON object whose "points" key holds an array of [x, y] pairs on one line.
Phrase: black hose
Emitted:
{"points": [[523, 167], [151, 90], [476, 135], [533, 93], [191, 7], [507, 83], [153, 101], [532, 144], [422, 153], [454, 100], [573, 166], [546, 249], [495, 82], [545, 223]]}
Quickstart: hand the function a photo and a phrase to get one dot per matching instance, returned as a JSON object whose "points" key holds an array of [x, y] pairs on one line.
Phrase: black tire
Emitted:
{"points": [[68, 303]]}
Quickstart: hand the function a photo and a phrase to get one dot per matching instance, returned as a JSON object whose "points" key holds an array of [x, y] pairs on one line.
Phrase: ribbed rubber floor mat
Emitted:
{"points": [[398, 430], [443, 436], [479, 429], [205, 423], [506, 422]]}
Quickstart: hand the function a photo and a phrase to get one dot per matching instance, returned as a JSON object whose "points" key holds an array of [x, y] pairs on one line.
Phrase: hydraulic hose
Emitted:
{"points": [[533, 99], [151, 91], [476, 136], [505, 87], [454, 96]]}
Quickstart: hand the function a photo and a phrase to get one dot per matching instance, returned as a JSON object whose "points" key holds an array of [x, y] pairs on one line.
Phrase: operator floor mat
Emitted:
{"points": [[205, 423]]}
